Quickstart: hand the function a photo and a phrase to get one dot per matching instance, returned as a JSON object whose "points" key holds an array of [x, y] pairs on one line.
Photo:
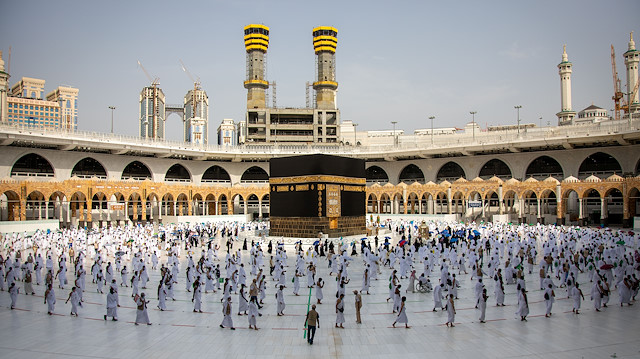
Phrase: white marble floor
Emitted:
{"points": [[28, 332]]}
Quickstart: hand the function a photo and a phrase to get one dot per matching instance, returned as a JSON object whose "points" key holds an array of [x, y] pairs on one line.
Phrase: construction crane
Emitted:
{"points": [[154, 81], [618, 96], [196, 87]]}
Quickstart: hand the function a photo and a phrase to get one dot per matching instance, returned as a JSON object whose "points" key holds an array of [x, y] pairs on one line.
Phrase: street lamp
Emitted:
{"points": [[473, 121], [112, 108], [355, 135], [395, 139], [518, 107], [432, 118]]}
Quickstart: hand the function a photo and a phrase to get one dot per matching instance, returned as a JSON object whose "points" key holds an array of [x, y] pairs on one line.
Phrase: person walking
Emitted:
{"points": [[313, 322], [358, 300], [451, 311], [402, 314], [227, 321], [141, 313], [340, 311]]}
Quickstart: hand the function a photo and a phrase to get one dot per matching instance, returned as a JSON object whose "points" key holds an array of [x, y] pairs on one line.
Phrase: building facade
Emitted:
{"points": [[25, 105], [227, 135], [196, 112], [270, 125], [152, 113]]}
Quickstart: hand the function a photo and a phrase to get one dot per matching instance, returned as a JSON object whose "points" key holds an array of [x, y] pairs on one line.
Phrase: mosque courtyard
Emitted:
{"points": [[28, 332]]}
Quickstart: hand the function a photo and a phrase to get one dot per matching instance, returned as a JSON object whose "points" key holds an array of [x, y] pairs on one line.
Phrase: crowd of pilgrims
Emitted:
{"points": [[116, 258]]}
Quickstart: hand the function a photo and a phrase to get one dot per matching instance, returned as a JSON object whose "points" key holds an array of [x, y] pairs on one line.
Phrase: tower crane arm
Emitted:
{"points": [[196, 83], [154, 81]]}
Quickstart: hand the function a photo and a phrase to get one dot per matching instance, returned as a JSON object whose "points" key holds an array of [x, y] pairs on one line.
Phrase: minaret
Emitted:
{"points": [[631, 60], [566, 114], [256, 42], [4, 81], [325, 41]]}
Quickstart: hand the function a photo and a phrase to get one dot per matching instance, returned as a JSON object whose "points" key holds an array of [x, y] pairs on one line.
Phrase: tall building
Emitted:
{"points": [[631, 60], [256, 43], [67, 97], [26, 105], [152, 113], [4, 88], [227, 133], [325, 41], [241, 131], [319, 124], [566, 114], [28, 87], [196, 114]]}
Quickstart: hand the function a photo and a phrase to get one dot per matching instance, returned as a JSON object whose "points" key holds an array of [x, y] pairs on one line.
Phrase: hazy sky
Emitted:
{"points": [[396, 60]]}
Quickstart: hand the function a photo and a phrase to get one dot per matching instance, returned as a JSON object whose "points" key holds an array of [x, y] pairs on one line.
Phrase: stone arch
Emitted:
{"points": [[35, 205], [385, 203], [238, 201], [613, 207], [32, 165], [413, 203], [458, 204], [210, 201], [599, 164], [265, 208], [442, 203], [548, 204], [182, 202], [89, 167], [177, 173], [136, 170], [10, 206], [168, 205], [376, 174], [216, 174], [544, 166], [510, 199], [372, 203], [411, 173], [450, 171], [254, 174], [495, 167], [223, 204], [633, 200]]}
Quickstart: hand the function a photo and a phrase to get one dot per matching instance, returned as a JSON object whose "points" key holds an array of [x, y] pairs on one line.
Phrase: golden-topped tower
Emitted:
{"points": [[256, 42], [325, 41]]}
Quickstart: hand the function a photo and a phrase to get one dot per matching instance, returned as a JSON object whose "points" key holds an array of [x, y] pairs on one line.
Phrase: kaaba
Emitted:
{"points": [[317, 193]]}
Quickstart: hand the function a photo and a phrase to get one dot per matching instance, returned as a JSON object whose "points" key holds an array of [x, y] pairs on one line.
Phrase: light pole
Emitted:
{"points": [[540, 121], [355, 134], [395, 140], [473, 121], [518, 107], [432, 118], [112, 108]]}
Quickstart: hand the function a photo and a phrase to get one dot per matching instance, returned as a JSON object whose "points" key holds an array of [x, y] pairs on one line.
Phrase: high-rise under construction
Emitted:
{"points": [[319, 121]]}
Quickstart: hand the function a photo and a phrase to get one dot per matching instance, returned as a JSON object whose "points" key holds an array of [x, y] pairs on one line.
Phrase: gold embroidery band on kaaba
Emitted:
{"points": [[323, 178]]}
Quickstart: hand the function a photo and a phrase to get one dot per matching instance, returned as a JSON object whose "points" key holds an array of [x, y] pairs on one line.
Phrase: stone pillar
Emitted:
{"points": [[46, 209], [160, 210], [580, 209], [449, 199], [559, 207], [246, 206], [539, 211], [259, 208], [378, 206], [603, 211], [627, 213], [23, 209], [143, 208]]}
